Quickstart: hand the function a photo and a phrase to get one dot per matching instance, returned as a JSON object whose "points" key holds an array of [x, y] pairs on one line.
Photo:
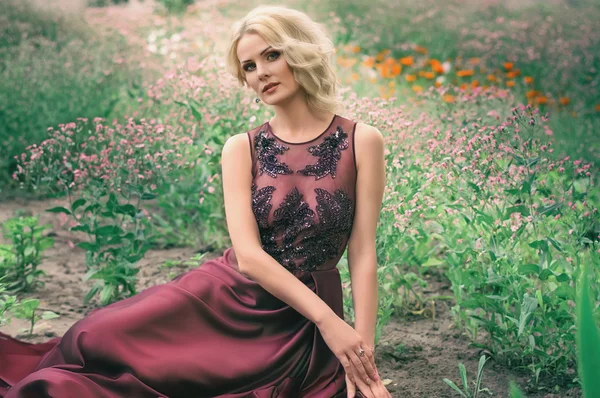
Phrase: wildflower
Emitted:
{"points": [[510, 83], [420, 49], [508, 66], [410, 78], [407, 61], [528, 79], [465, 72], [564, 100]]}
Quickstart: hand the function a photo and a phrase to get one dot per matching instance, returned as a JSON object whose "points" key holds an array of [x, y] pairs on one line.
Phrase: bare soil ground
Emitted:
{"points": [[432, 348]]}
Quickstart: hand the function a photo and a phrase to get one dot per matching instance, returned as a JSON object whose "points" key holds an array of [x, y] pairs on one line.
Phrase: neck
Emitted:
{"points": [[296, 121]]}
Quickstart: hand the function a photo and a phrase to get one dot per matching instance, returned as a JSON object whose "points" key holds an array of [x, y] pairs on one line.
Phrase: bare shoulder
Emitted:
{"points": [[368, 142], [236, 146]]}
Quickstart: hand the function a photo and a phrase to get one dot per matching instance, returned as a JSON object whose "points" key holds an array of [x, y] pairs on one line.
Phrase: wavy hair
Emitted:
{"points": [[305, 45]]}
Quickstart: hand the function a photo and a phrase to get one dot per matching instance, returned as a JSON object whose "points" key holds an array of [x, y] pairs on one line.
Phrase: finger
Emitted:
{"points": [[364, 389], [359, 368], [351, 387], [369, 359], [368, 364], [348, 368]]}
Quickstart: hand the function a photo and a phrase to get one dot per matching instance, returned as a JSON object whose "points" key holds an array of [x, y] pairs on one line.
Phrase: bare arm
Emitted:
{"points": [[253, 261], [362, 258]]}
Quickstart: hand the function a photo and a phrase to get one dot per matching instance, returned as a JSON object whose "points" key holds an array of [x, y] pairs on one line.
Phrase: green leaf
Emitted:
{"points": [[588, 339], [528, 307], [78, 203], [128, 209], [482, 361], [83, 228], [463, 375], [87, 246], [527, 269], [49, 315], [148, 196], [107, 294], [58, 209], [455, 388], [514, 391], [91, 293], [108, 230]]}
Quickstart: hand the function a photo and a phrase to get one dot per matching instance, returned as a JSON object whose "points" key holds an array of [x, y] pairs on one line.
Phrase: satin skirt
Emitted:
{"points": [[210, 332]]}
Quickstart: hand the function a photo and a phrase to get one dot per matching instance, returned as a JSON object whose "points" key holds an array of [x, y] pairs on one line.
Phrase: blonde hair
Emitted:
{"points": [[305, 45]]}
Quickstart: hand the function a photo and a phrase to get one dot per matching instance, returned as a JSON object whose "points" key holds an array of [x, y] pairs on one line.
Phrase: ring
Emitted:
{"points": [[361, 352]]}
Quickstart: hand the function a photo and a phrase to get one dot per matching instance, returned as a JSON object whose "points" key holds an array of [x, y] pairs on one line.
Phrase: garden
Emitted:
{"points": [[113, 115]]}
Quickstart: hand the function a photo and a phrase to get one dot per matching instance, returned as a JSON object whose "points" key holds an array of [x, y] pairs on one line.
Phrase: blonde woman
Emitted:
{"points": [[264, 320]]}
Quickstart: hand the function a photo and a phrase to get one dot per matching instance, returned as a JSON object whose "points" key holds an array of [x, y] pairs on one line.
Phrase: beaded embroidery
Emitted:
{"points": [[329, 153], [295, 216], [267, 150]]}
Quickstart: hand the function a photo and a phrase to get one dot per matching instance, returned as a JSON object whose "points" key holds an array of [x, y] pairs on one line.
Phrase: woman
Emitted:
{"points": [[266, 318]]}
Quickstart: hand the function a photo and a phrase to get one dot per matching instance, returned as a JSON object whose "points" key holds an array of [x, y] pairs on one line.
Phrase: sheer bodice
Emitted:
{"points": [[303, 194]]}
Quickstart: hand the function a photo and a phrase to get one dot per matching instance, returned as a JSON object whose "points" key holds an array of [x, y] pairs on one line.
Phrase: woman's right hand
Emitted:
{"points": [[346, 343]]}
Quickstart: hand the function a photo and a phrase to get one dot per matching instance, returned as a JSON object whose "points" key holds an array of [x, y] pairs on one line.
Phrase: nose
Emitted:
{"points": [[262, 71]]}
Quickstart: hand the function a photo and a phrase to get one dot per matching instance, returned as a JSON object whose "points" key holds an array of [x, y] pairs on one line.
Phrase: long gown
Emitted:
{"points": [[211, 331]]}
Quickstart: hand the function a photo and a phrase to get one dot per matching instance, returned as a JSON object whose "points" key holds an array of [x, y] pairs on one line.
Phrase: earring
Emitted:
{"points": [[257, 100]]}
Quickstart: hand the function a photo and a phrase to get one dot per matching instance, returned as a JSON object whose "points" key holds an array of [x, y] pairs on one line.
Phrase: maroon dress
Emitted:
{"points": [[211, 331]]}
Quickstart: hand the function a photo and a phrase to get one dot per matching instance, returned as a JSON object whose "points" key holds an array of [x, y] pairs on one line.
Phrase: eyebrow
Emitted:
{"points": [[261, 53]]}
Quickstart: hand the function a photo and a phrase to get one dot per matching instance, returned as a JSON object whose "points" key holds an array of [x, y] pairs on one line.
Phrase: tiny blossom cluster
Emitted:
{"points": [[119, 157]]}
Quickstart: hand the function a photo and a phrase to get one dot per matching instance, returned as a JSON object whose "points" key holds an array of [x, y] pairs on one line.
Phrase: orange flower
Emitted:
{"points": [[475, 83], [396, 69], [508, 66], [465, 72], [355, 76], [597, 107], [512, 74], [369, 62], [448, 98], [382, 54], [492, 78], [437, 84], [474, 61], [510, 83], [407, 61], [410, 78], [417, 89], [420, 49], [541, 99], [564, 100], [421, 73], [528, 79], [464, 86], [389, 61], [356, 49], [438, 68], [429, 75], [532, 94]]}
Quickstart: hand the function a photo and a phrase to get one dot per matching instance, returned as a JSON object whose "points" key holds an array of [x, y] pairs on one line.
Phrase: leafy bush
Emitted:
{"points": [[106, 172], [19, 261], [53, 69]]}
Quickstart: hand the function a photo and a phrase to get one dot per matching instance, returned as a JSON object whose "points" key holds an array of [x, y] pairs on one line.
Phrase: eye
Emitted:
{"points": [[247, 66]]}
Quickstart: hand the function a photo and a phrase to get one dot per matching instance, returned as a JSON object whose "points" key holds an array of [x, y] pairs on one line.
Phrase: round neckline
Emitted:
{"points": [[305, 142]]}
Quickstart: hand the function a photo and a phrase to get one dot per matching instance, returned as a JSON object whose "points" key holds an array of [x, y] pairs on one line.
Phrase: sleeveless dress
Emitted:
{"points": [[211, 331]]}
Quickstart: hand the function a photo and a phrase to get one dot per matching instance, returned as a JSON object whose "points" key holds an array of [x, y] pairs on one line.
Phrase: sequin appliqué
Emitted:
{"points": [[293, 217], [329, 152], [266, 151]]}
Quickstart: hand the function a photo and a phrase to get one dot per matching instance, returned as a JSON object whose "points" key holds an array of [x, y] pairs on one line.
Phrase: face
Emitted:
{"points": [[263, 65]]}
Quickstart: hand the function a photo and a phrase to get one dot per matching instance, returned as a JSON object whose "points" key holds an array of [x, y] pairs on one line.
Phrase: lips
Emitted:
{"points": [[268, 86]]}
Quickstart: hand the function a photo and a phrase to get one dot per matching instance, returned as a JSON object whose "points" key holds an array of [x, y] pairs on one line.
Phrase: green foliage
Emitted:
{"points": [[53, 69], [19, 261], [466, 392], [175, 6], [588, 339], [27, 309], [6, 303]]}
